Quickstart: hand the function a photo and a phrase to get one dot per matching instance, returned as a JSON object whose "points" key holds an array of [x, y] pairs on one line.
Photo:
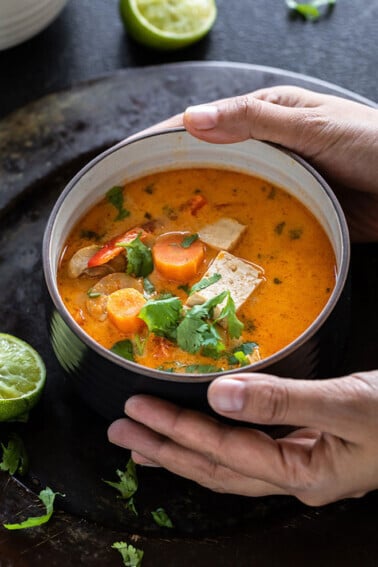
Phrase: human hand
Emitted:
{"points": [[339, 137], [333, 454]]}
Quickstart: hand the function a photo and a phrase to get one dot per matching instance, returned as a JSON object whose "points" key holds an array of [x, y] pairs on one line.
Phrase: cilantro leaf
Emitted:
{"points": [[139, 258], [47, 496], [205, 282], [115, 197], [128, 483], [162, 316], [124, 348], [235, 327], [132, 556], [190, 333], [188, 240], [14, 457], [161, 518]]}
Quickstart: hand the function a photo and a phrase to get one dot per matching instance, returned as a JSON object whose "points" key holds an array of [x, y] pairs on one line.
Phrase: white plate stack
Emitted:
{"points": [[22, 19]]}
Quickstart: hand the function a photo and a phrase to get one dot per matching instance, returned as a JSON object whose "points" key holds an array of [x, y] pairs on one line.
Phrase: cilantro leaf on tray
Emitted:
{"points": [[47, 496]]}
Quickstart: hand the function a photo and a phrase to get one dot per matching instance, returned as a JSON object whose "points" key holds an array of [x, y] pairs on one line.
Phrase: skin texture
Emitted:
{"points": [[333, 452]]}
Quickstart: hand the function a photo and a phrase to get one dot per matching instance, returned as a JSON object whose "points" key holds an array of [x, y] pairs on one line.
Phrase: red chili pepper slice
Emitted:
{"points": [[196, 203], [112, 248]]}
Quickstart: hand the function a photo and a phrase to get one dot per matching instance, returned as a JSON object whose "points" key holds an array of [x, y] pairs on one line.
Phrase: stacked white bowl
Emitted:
{"points": [[22, 19]]}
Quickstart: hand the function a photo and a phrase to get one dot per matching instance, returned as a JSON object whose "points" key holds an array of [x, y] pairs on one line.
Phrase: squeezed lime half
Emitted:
{"points": [[168, 24], [22, 377]]}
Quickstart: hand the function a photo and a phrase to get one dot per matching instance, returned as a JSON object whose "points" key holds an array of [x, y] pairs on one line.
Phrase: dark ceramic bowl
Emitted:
{"points": [[105, 380]]}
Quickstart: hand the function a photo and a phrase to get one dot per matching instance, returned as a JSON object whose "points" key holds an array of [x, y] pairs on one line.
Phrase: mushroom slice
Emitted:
{"points": [[97, 300], [78, 264]]}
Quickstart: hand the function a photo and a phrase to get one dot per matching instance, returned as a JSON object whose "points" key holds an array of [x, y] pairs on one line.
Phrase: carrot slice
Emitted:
{"points": [[123, 308], [112, 248], [174, 261]]}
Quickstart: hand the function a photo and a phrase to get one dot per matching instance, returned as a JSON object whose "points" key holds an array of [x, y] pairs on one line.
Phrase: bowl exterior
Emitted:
{"points": [[104, 380], [105, 386]]}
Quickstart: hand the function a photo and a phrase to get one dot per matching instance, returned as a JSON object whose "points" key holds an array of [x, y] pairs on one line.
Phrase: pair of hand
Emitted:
{"points": [[334, 452]]}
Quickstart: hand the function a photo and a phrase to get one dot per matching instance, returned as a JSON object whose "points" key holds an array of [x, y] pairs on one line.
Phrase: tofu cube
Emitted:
{"points": [[239, 277], [223, 234]]}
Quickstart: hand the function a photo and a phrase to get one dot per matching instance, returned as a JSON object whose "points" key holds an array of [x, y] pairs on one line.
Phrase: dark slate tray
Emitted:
{"points": [[41, 147]]}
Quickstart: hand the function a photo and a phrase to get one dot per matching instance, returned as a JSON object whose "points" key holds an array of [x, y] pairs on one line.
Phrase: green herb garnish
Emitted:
{"points": [[310, 10], [188, 240], [132, 556], [89, 234], [162, 316], [277, 281], [149, 189], [279, 227], [139, 258], [295, 233], [46, 496], [128, 481], [161, 518], [14, 457], [93, 294], [115, 197], [124, 348], [196, 329], [238, 355], [205, 282], [234, 325]]}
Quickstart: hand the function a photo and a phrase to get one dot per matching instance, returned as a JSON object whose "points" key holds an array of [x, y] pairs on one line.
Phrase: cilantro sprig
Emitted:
{"points": [[132, 556], [128, 481]]}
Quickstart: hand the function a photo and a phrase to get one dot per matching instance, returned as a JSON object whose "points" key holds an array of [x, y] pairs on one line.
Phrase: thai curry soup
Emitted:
{"points": [[196, 270]]}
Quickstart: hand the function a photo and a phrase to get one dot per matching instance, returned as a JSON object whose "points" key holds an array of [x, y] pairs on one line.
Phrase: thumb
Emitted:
{"points": [[339, 406], [243, 117]]}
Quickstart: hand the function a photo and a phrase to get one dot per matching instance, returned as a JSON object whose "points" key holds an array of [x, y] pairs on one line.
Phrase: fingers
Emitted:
{"points": [[261, 116], [247, 452], [338, 406], [154, 449], [287, 95]]}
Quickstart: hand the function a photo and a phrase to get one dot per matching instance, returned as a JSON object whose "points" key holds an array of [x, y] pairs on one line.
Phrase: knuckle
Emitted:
{"points": [[273, 403], [242, 106]]}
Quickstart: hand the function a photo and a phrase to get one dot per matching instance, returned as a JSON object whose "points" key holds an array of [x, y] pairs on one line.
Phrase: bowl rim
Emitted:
{"points": [[163, 375]]}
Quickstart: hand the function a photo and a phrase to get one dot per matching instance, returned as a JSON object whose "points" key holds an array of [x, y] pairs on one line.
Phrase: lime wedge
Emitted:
{"points": [[168, 24], [22, 377]]}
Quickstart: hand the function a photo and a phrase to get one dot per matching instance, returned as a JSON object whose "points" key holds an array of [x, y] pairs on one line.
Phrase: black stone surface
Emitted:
{"points": [[44, 144], [65, 440]]}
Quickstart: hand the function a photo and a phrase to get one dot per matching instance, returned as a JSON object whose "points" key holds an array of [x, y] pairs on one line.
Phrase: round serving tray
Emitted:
{"points": [[41, 147]]}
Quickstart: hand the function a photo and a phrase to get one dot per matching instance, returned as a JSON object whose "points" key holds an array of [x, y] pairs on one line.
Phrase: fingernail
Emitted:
{"points": [[203, 117], [227, 395]]}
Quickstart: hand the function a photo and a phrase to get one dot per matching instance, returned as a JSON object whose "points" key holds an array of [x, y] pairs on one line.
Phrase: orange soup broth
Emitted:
{"points": [[282, 237]]}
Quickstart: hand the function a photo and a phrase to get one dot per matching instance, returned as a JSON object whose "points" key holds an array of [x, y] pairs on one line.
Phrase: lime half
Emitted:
{"points": [[22, 377], [168, 24]]}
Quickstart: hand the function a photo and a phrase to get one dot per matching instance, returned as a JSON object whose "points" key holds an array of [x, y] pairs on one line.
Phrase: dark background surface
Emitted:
{"points": [[88, 41]]}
